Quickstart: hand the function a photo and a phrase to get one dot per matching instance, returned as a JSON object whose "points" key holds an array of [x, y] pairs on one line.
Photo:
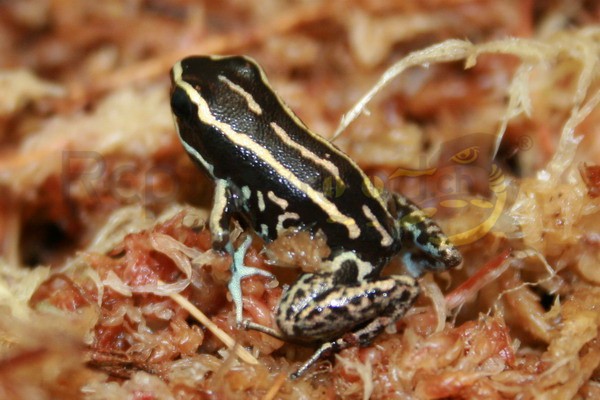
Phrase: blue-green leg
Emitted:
{"points": [[427, 248], [240, 271]]}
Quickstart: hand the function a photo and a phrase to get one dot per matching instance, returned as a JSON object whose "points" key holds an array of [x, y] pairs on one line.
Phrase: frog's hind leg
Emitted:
{"points": [[240, 271], [428, 247], [319, 309]]}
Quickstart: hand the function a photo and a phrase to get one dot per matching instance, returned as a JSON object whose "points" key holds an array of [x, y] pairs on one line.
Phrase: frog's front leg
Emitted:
{"points": [[224, 205], [240, 271], [427, 247], [321, 308]]}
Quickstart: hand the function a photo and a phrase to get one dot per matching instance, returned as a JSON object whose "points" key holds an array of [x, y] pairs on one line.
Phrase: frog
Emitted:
{"points": [[273, 175]]}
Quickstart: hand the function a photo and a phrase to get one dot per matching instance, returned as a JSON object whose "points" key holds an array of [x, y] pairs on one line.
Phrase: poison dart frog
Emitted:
{"points": [[274, 174]]}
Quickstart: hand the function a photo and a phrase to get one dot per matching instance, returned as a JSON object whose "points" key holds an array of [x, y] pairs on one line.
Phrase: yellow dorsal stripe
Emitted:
{"points": [[252, 104], [304, 152]]}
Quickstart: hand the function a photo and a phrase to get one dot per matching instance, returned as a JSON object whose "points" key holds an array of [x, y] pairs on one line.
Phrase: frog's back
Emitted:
{"points": [[286, 175]]}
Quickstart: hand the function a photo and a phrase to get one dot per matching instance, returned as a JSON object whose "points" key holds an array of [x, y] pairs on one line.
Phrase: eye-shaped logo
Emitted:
{"points": [[466, 156]]}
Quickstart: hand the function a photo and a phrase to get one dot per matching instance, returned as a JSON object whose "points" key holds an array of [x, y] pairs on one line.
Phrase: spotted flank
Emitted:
{"points": [[278, 201], [261, 201], [315, 305]]}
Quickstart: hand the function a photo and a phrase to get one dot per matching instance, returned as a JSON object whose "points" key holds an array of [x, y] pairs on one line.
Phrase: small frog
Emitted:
{"points": [[273, 174]]}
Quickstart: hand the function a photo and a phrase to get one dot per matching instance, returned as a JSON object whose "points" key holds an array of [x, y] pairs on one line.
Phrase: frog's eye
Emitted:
{"points": [[466, 156], [180, 103]]}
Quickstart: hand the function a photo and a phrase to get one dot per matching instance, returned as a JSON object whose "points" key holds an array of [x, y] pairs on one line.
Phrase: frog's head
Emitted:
{"points": [[214, 99]]}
